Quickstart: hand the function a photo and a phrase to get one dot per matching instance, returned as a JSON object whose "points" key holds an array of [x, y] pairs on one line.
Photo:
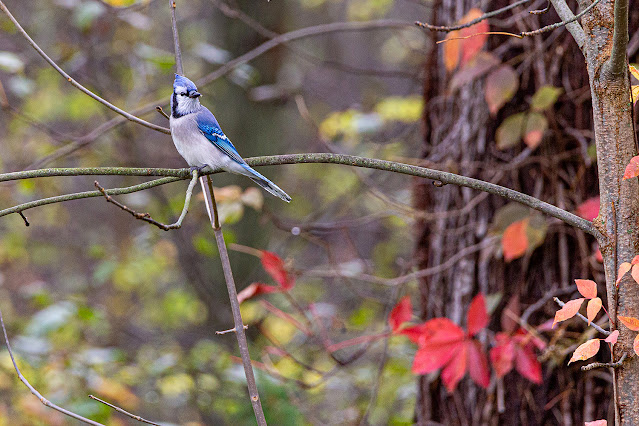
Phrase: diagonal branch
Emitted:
{"points": [[42, 399], [350, 160], [562, 23], [146, 216], [126, 413], [74, 83], [565, 14], [477, 20]]}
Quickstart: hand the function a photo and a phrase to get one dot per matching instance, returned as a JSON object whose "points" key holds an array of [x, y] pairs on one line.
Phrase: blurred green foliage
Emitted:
{"points": [[97, 302]]}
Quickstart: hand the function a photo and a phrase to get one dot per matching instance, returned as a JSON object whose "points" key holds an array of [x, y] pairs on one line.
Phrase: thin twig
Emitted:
{"points": [[42, 399], [161, 111], [120, 410], [562, 23], [176, 40], [230, 330], [483, 17], [328, 158], [583, 318], [616, 364], [26, 222], [146, 216], [242, 343]]}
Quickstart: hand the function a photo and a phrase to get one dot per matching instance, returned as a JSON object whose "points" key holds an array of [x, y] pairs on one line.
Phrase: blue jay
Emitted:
{"points": [[200, 141]]}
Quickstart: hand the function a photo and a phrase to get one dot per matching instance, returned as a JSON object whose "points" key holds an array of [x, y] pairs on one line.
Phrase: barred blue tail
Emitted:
{"points": [[268, 186]]}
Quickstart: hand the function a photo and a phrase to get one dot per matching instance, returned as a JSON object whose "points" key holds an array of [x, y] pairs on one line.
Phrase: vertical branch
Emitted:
{"points": [[211, 207], [235, 304], [176, 40], [617, 63]]}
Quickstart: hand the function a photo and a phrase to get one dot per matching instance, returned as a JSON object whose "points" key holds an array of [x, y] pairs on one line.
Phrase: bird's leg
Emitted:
{"points": [[198, 168]]}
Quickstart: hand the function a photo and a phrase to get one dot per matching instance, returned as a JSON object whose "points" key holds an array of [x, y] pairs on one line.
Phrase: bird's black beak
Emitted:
{"points": [[194, 94]]}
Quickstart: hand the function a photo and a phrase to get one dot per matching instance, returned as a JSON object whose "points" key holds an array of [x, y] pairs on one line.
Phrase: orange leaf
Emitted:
{"points": [[635, 260], [632, 169], [568, 311], [612, 338], [514, 242], [594, 306], [630, 322], [623, 269], [635, 273], [597, 423], [587, 288], [471, 46], [451, 50], [635, 344], [586, 350]]}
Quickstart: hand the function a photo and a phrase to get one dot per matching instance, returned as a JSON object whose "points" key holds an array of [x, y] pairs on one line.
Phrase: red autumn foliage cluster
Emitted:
{"points": [[274, 266], [443, 344]]}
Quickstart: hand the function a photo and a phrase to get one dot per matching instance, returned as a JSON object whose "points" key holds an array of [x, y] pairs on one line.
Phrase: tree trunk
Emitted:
{"points": [[459, 136]]}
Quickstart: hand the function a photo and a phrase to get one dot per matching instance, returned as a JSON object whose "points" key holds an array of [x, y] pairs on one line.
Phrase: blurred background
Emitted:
{"points": [[99, 303]]}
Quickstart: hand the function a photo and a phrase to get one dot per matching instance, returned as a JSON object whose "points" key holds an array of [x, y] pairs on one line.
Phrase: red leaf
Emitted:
{"points": [[478, 364], [471, 46], [274, 266], [612, 338], [632, 169], [502, 356], [635, 260], [623, 270], [593, 308], [568, 311], [630, 322], [254, 290], [597, 423], [514, 242], [456, 369], [635, 344], [589, 209], [527, 365], [400, 314], [587, 288], [435, 354], [586, 350], [419, 333], [477, 317]]}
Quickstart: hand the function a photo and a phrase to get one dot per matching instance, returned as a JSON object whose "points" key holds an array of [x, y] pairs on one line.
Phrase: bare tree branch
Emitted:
{"points": [[617, 64], [146, 216], [483, 17], [211, 206], [74, 83], [562, 23], [565, 14], [350, 160], [120, 410], [42, 399], [616, 364]]}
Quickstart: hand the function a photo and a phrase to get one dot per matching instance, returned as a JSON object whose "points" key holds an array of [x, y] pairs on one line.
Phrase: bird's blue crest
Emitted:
{"points": [[181, 81]]}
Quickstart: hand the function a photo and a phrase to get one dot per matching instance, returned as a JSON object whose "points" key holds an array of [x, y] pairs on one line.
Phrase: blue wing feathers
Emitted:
{"points": [[210, 128]]}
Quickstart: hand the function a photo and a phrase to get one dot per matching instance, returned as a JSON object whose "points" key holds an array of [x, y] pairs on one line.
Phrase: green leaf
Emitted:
{"points": [[510, 131], [545, 97]]}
